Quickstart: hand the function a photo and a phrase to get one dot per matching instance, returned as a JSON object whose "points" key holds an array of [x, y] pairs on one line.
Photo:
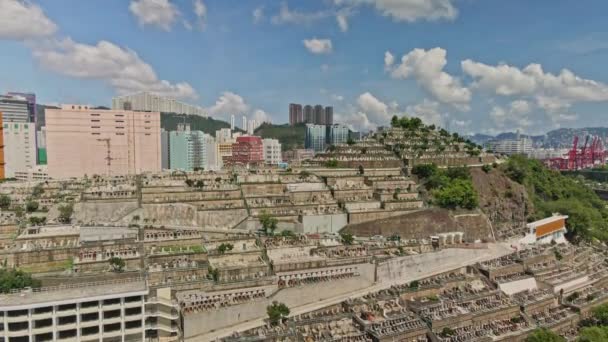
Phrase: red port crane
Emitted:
{"points": [[592, 153]]}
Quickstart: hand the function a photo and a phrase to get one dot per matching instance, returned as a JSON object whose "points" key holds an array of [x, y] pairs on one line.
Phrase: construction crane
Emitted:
{"points": [[592, 153], [108, 157]]}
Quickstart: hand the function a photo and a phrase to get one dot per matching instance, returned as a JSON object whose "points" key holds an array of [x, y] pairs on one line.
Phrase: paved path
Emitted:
{"points": [[493, 251]]}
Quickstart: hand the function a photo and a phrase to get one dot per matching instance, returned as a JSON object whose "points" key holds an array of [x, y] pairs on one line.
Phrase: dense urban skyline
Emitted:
{"points": [[471, 66]]}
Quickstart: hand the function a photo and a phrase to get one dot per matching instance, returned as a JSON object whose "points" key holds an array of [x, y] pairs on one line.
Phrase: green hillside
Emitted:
{"points": [[169, 122], [291, 137], [553, 192]]}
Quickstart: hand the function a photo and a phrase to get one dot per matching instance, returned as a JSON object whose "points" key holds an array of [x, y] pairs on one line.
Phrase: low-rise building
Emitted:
{"points": [[272, 151]]}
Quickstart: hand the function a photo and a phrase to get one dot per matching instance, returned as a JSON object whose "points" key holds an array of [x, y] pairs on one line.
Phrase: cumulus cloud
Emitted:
{"points": [[120, 67], [551, 92], [228, 103], [318, 46], [159, 13], [337, 98], [376, 110], [428, 112], [261, 116], [258, 14], [409, 10], [426, 66], [23, 20]]}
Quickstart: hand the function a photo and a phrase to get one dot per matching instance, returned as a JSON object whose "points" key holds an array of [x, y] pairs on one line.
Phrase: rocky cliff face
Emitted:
{"points": [[504, 201]]}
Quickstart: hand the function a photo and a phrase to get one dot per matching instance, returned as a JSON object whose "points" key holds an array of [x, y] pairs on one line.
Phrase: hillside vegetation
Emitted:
{"points": [[289, 136], [169, 122], [552, 192]]}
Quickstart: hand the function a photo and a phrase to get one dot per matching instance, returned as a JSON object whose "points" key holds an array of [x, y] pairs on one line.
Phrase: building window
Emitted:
{"points": [[119, 115], [120, 120], [94, 114], [96, 133], [95, 127], [120, 134]]}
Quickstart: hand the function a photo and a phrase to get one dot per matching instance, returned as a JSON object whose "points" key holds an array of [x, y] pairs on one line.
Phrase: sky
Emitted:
{"points": [[472, 66]]}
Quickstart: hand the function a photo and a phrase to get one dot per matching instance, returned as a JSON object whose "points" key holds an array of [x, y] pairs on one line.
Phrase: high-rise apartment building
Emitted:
{"points": [[309, 115], [329, 115], [188, 150], [319, 115], [232, 122], [20, 147], [315, 137], [2, 175], [337, 134], [148, 102], [30, 98], [83, 141], [295, 114], [272, 151], [223, 135], [14, 108], [247, 150], [244, 123]]}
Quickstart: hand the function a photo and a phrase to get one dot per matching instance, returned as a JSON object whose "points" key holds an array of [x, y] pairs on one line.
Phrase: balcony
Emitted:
{"points": [[162, 313], [133, 304], [89, 309], [113, 306], [42, 330], [42, 315]]}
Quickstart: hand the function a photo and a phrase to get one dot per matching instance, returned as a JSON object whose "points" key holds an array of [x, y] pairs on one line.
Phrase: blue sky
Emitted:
{"points": [[469, 65]]}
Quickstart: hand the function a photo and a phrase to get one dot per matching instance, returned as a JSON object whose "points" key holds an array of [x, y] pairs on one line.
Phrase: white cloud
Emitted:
{"points": [[258, 14], [120, 67], [287, 16], [426, 66], [324, 67], [200, 10], [227, 104], [520, 107], [318, 46], [160, 13], [22, 20], [551, 92], [389, 60], [342, 22], [338, 98], [261, 116], [409, 10], [428, 112], [376, 110]]}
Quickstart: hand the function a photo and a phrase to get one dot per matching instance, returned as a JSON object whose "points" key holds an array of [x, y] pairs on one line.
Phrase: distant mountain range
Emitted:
{"points": [[558, 138]]}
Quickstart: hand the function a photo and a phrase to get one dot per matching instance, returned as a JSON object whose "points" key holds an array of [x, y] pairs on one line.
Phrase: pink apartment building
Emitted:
{"points": [[83, 141]]}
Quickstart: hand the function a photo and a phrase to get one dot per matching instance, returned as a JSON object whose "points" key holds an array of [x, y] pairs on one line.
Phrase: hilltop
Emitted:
{"points": [[169, 122], [290, 136]]}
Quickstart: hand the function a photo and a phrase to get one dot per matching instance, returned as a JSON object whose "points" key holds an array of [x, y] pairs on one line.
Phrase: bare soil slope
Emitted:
{"points": [[504, 201]]}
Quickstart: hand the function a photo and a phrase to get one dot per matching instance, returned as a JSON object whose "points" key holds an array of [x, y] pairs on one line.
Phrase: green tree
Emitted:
{"points": [[544, 335], [350, 141], [347, 238], [19, 212], [332, 163], [5, 201], [189, 183], [277, 312], [117, 264], [288, 234], [593, 334], [65, 213], [213, 273], [225, 247], [600, 314], [269, 223], [425, 170], [13, 279], [31, 206], [458, 193]]}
